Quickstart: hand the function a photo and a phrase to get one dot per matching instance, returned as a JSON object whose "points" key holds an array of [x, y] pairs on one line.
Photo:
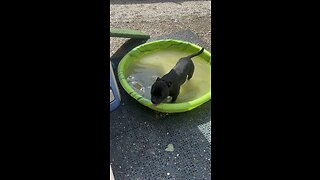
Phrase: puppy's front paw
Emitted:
{"points": [[168, 99]]}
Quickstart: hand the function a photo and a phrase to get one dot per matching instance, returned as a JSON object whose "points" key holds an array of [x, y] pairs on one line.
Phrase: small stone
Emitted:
{"points": [[170, 148]]}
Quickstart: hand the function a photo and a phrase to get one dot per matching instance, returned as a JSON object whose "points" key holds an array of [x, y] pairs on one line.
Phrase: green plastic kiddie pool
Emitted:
{"points": [[148, 48]]}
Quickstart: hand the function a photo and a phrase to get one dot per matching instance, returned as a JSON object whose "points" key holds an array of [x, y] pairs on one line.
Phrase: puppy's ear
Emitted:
{"points": [[169, 83], [158, 78]]}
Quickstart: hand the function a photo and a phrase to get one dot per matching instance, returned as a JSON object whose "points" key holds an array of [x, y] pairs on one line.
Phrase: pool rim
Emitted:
{"points": [[163, 107]]}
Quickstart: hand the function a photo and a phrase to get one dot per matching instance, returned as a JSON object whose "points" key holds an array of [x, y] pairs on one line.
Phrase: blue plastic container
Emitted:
{"points": [[114, 91]]}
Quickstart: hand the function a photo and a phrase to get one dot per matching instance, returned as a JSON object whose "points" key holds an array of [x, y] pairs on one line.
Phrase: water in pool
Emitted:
{"points": [[145, 70]]}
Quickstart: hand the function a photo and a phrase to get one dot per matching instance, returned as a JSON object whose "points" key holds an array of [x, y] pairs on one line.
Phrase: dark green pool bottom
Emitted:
{"points": [[139, 135]]}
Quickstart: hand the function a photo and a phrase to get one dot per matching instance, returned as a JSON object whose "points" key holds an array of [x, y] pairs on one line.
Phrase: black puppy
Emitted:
{"points": [[169, 84]]}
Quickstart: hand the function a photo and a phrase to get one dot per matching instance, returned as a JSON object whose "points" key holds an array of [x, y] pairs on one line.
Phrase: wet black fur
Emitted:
{"points": [[169, 84]]}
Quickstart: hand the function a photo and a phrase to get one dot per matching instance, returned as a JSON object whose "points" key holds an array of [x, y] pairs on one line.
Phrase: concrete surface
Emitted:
{"points": [[160, 17]]}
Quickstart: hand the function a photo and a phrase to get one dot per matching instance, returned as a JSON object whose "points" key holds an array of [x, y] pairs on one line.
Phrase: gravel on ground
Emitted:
{"points": [[160, 17]]}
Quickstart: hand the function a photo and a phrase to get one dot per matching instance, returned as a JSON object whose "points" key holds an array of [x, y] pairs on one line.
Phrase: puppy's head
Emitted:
{"points": [[160, 91]]}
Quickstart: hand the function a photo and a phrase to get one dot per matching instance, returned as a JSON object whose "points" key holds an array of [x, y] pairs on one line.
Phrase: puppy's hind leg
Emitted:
{"points": [[191, 72]]}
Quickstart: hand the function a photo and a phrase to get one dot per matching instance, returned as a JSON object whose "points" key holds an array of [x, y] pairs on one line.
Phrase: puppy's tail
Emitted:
{"points": [[196, 54]]}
